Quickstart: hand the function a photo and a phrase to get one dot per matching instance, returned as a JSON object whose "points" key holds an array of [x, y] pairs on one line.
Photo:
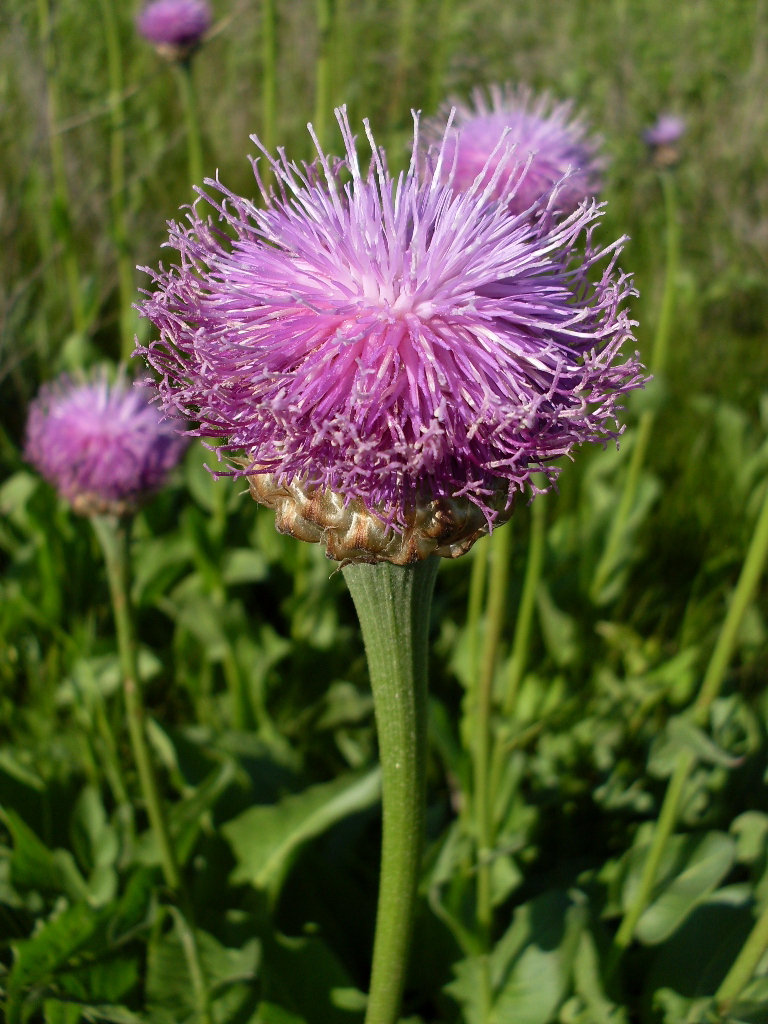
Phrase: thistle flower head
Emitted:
{"points": [[663, 139], [668, 130], [549, 142], [394, 342], [174, 27], [102, 445]]}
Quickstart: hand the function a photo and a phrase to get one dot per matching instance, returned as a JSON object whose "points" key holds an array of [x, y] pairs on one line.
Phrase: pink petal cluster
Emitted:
{"points": [[668, 129], [174, 23], [390, 339], [549, 142], [103, 446]]}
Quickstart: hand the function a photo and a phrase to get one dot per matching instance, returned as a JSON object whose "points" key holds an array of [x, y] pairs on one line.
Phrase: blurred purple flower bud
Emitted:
{"points": [[549, 142], [392, 342], [663, 139], [174, 27], [103, 446], [667, 131]]}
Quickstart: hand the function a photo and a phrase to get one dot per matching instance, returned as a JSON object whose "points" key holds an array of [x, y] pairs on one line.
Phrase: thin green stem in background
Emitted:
{"points": [[475, 604], [442, 55], [113, 537], [406, 28], [751, 572], [323, 69], [61, 202], [611, 556], [117, 175], [191, 119], [268, 84], [393, 604], [483, 709], [745, 964], [525, 612]]}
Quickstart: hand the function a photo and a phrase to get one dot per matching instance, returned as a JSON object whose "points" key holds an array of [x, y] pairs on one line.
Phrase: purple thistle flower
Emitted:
{"points": [[550, 142], [174, 26], [392, 340], [103, 446], [667, 131]]}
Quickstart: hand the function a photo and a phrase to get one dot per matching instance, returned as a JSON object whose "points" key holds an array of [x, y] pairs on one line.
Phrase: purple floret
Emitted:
{"points": [[103, 446], [667, 131], [549, 142], [176, 23], [389, 339]]}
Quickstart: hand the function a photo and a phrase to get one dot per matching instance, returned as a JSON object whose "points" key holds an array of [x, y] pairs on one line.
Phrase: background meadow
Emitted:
{"points": [[260, 716]]}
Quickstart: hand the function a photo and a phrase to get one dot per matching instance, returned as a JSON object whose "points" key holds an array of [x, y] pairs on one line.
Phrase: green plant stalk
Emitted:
{"points": [[744, 965], [442, 54], [483, 709], [525, 612], [191, 120], [608, 561], [268, 83], [751, 571], [113, 537], [475, 604], [393, 606], [323, 68], [520, 643], [117, 174], [403, 57], [61, 198]]}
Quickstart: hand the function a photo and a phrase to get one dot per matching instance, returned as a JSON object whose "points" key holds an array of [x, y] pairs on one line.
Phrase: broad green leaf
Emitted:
{"points": [[557, 627], [304, 975], [33, 865], [271, 1013], [244, 565], [56, 1011], [51, 947], [751, 831], [530, 967], [708, 863], [265, 838]]}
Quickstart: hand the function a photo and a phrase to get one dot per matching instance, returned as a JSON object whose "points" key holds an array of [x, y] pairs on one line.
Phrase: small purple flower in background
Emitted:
{"points": [[549, 142], [387, 343], [103, 446], [174, 27], [663, 139]]}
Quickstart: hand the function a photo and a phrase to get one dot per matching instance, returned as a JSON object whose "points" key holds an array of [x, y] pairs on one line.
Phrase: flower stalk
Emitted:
{"points": [[113, 537], [751, 572], [611, 556], [191, 119], [393, 605], [117, 176]]}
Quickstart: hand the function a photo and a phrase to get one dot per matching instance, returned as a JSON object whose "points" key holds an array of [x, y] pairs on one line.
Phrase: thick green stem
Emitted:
{"points": [[752, 570], [117, 174], [192, 120], [62, 217], [393, 605], [323, 69], [483, 708], [611, 556], [113, 536]]}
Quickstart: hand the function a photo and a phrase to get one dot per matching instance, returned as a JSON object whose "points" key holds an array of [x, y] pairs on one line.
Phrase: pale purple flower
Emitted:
{"points": [[667, 131], [549, 142], [175, 24], [390, 339], [104, 446]]}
